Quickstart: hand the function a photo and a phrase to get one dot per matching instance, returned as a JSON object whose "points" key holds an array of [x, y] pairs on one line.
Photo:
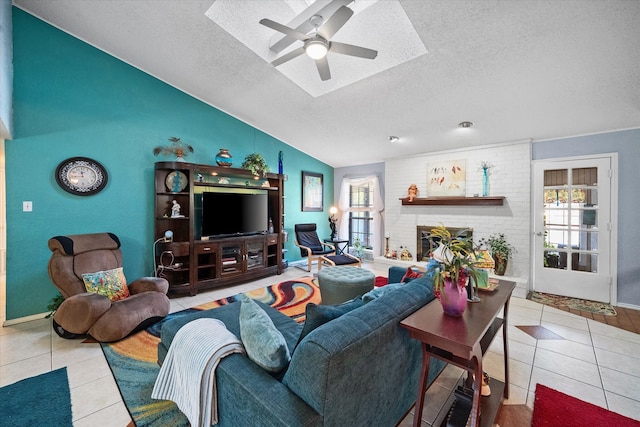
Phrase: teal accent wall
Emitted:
{"points": [[71, 99], [6, 70]]}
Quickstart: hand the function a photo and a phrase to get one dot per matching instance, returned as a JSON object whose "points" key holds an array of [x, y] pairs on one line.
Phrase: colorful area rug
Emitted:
{"points": [[559, 301], [552, 408], [133, 360], [41, 400]]}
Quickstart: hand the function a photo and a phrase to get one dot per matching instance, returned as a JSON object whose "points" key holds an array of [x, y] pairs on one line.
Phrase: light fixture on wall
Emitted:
{"points": [[465, 124]]}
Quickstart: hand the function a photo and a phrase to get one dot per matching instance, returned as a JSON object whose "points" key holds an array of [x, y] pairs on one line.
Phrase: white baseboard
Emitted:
{"points": [[24, 319], [629, 306]]}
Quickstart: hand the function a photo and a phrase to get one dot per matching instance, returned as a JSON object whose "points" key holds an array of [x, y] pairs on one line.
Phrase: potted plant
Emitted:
{"points": [[177, 148], [452, 264], [256, 164], [54, 305], [357, 246], [500, 250]]}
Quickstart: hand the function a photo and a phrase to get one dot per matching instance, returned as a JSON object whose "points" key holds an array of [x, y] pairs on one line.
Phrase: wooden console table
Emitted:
{"points": [[462, 341]]}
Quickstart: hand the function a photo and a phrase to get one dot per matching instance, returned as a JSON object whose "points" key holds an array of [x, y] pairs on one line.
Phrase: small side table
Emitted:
{"points": [[336, 243], [462, 341]]}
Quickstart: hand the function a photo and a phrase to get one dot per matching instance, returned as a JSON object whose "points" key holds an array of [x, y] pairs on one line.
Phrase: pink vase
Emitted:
{"points": [[453, 298]]}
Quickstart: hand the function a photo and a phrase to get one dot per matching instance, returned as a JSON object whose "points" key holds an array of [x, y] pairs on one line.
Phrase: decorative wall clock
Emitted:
{"points": [[81, 176]]}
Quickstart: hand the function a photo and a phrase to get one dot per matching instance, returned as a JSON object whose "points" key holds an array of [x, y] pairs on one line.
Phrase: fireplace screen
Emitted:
{"points": [[426, 243]]}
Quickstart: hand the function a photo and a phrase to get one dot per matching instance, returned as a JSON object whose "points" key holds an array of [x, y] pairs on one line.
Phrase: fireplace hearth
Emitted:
{"points": [[426, 243]]}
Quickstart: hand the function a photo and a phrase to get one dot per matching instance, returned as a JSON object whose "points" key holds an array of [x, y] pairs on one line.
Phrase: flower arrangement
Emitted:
{"points": [[454, 260], [177, 148], [485, 165]]}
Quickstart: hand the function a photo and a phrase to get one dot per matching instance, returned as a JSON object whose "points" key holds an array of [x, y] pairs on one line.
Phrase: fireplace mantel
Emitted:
{"points": [[453, 201]]}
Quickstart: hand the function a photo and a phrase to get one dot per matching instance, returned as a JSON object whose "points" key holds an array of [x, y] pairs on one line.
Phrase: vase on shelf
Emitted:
{"points": [[485, 182], [453, 298], [501, 264], [223, 158]]}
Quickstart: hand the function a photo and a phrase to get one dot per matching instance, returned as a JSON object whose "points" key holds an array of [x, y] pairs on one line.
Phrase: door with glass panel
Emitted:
{"points": [[572, 232]]}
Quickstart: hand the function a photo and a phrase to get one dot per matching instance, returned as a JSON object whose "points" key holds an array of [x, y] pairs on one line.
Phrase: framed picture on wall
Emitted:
{"points": [[312, 191], [447, 178]]}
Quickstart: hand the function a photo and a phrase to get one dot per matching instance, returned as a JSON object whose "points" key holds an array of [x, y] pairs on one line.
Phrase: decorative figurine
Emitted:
{"points": [[405, 255], [175, 210], [413, 192]]}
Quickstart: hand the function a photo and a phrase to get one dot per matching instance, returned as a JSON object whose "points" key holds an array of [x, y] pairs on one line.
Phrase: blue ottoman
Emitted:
{"points": [[342, 283]]}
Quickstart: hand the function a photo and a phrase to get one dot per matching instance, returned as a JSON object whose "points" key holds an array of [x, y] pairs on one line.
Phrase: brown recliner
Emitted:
{"points": [[83, 312]]}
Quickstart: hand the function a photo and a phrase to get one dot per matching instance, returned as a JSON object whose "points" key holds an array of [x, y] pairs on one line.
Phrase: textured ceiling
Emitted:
{"points": [[529, 69], [383, 26]]}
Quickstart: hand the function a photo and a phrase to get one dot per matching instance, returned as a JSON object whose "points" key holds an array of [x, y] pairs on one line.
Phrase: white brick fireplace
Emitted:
{"points": [[510, 177]]}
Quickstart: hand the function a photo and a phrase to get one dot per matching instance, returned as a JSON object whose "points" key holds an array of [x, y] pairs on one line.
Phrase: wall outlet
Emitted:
{"points": [[27, 206]]}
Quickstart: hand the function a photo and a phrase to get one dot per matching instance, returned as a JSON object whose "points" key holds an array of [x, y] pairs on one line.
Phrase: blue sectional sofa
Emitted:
{"points": [[360, 369]]}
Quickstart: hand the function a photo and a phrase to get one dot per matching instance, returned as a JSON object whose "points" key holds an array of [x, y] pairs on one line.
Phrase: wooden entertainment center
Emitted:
{"points": [[191, 262]]}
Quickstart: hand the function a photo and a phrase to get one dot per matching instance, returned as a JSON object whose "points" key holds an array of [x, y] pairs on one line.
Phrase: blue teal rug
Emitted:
{"points": [[37, 401], [133, 360]]}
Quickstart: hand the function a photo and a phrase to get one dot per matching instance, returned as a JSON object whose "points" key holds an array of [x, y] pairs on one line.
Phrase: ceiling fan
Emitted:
{"points": [[318, 43]]}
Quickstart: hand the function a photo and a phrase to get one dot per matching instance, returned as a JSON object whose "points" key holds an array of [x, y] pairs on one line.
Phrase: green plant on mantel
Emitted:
{"points": [[256, 164]]}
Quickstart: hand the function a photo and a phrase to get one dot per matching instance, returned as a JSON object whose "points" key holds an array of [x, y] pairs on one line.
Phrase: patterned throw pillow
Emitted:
{"points": [[411, 274], [110, 283]]}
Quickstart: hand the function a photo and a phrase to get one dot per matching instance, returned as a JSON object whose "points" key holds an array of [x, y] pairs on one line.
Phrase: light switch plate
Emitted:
{"points": [[27, 206]]}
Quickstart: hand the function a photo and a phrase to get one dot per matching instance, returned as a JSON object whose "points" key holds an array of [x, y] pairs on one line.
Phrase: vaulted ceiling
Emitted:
{"points": [[527, 69]]}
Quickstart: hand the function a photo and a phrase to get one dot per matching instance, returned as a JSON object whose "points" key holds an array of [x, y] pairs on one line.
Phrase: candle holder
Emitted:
{"points": [[387, 252]]}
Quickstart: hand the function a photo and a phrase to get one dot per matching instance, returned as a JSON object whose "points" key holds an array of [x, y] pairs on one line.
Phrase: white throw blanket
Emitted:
{"points": [[187, 375]]}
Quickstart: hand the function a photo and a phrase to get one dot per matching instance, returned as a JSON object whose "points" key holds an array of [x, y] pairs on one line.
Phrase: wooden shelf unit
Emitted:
{"points": [[190, 263], [453, 201]]}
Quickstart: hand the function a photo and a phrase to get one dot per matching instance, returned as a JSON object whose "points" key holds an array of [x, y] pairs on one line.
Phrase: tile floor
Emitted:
{"points": [[592, 361]]}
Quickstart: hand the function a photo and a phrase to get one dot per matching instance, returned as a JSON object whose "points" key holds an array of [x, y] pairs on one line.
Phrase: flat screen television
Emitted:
{"points": [[229, 214]]}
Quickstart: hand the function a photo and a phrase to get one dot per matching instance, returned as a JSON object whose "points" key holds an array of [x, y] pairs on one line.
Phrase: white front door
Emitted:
{"points": [[572, 228]]}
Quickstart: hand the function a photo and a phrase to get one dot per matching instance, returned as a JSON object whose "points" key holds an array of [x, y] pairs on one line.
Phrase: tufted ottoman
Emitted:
{"points": [[342, 283]]}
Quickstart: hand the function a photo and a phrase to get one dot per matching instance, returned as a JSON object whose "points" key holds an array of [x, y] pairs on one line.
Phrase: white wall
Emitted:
{"points": [[510, 177], [627, 144]]}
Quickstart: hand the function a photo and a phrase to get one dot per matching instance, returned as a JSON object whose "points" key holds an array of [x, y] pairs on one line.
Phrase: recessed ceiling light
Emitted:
{"points": [[394, 139], [465, 124]]}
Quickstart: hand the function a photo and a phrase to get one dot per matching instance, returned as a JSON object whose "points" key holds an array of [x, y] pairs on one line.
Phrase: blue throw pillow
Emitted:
{"points": [[317, 315], [378, 292], [264, 343]]}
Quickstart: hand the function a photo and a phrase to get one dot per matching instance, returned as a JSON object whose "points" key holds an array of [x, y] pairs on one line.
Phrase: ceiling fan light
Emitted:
{"points": [[316, 49]]}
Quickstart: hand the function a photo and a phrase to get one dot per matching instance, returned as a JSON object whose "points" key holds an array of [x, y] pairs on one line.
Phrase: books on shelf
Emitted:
{"points": [[229, 261]]}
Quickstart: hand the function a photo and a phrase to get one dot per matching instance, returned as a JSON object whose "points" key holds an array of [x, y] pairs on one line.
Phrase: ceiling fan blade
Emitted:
{"points": [[349, 49], [323, 68], [288, 56], [335, 22], [284, 29]]}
